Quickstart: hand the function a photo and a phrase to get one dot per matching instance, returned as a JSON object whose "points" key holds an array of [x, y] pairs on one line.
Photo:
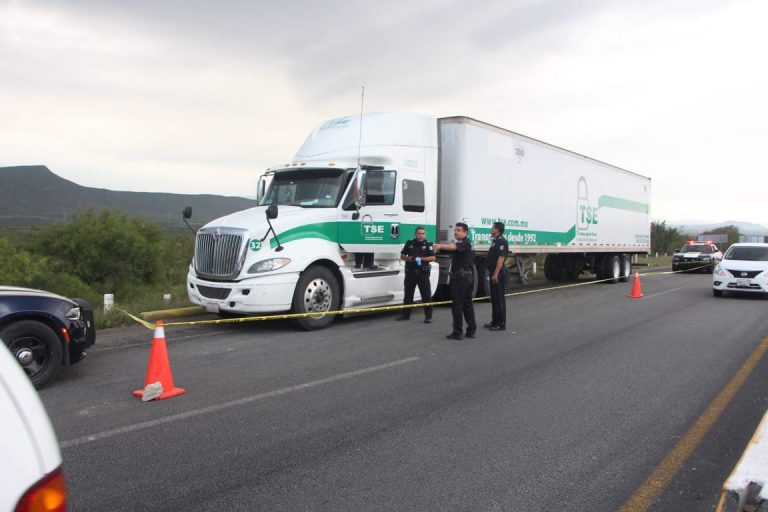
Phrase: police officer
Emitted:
{"points": [[498, 273], [462, 277], [417, 253]]}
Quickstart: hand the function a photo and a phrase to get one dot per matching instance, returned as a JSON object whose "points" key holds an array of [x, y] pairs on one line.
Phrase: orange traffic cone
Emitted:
{"points": [[637, 293], [159, 369]]}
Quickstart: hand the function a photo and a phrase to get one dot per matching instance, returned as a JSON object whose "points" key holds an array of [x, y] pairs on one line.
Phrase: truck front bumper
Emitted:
{"points": [[262, 294]]}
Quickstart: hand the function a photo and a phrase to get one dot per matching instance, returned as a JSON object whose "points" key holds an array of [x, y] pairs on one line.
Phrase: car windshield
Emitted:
{"points": [[747, 253], [696, 248], [308, 188]]}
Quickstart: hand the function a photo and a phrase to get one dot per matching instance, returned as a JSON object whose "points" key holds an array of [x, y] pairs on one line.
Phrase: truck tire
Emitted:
{"points": [[597, 267], [317, 291], [675, 268], [612, 269], [37, 349], [552, 267], [626, 268]]}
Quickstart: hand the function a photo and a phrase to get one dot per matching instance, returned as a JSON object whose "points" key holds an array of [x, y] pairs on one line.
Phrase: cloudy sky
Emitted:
{"points": [[193, 97]]}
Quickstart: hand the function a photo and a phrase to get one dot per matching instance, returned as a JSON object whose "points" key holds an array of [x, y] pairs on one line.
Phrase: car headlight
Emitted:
{"points": [[268, 265], [706, 258], [720, 271], [675, 258], [74, 313]]}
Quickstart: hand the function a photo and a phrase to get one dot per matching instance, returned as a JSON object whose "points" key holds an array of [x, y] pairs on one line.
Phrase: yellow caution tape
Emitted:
{"points": [[396, 307]]}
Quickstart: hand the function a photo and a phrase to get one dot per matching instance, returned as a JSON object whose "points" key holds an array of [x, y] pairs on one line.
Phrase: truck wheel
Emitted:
{"points": [[316, 292], [598, 268], [612, 269], [36, 348], [626, 268], [675, 268], [552, 267]]}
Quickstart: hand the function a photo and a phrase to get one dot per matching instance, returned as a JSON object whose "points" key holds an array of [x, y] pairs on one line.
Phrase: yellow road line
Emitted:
{"points": [[654, 485]]}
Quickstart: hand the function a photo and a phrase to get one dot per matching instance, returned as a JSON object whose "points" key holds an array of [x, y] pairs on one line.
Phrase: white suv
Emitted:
{"points": [[744, 268], [30, 470]]}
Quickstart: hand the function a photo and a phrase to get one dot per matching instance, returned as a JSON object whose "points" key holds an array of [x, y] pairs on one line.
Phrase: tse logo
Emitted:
{"points": [[588, 214], [373, 229]]}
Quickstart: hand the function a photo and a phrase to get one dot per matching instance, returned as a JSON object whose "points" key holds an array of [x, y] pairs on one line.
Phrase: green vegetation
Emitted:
{"points": [[665, 240], [97, 253]]}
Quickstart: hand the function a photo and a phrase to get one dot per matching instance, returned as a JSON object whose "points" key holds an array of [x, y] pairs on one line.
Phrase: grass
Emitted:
{"points": [[141, 299]]}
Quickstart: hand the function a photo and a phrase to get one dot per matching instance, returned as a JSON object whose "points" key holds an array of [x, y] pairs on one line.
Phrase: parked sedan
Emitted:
{"points": [[44, 331], [744, 268]]}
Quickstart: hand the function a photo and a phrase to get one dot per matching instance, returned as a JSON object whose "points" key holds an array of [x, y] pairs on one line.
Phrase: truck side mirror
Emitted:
{"points": [[261, 188], [187, 213], [359, 190], [272, 211]]}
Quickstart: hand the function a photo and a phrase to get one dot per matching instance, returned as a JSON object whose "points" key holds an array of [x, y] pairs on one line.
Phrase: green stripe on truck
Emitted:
{"points": [[622, 204]]}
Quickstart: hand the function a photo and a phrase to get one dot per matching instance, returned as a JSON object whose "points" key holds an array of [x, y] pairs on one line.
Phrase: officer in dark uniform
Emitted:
{"points": [[498, 273], [417, 253], [462, 280]]}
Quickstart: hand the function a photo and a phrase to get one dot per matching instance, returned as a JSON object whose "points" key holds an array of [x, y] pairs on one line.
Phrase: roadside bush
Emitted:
{"points": [[21, 268], [108, 250]]}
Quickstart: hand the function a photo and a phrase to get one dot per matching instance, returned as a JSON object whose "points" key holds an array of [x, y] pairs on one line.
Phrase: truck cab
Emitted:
{"points": [[329, 226]]}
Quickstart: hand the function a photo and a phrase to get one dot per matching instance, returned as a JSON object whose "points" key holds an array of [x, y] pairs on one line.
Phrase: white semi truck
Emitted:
{"points": [[330, 223]]}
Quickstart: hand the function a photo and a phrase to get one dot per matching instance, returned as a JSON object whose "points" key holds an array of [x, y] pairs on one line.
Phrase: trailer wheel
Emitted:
{"points": [[552, 267], [598, 265], [317, 291], [612, 269], [37, 349], [626, 268]]}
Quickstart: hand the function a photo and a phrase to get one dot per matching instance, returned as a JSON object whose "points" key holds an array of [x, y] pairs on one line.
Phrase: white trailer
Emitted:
{"points": [[329, 225]]}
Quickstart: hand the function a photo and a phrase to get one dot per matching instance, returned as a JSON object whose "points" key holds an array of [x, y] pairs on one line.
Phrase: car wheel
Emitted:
{"points": [[717, 293], [318, 291], [37, 349], [675, 268]]}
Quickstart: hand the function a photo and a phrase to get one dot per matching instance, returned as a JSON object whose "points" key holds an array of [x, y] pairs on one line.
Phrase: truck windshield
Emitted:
{"points": [[308, 188]]}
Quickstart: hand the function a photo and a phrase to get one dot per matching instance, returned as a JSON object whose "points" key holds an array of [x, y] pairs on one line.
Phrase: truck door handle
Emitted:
{"points": [[394, 231], [391, 214]]}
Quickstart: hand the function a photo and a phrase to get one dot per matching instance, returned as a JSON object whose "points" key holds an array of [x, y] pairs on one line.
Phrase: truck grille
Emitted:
{"points": [[213, 293], [219, 252]]}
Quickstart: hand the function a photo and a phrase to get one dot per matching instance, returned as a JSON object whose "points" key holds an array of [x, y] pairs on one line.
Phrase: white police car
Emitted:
{"points": [[744, 268], [30, 461], [696, 255]]}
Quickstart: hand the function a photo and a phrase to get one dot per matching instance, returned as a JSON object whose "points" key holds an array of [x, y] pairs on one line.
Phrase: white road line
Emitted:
{"points": [[227, 405], [664, 292]]}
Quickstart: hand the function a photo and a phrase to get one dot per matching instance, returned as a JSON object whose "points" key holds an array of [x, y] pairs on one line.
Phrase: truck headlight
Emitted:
{"points": [[268, 265], [706, 258], [74, 313]]}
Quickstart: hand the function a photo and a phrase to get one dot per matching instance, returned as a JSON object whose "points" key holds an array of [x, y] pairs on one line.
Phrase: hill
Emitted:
{"points": [[33, 195], [695, 228]]}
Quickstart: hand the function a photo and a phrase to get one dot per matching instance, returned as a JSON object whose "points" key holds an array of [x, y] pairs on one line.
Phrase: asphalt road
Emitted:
{"points": [[570, 409]]}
